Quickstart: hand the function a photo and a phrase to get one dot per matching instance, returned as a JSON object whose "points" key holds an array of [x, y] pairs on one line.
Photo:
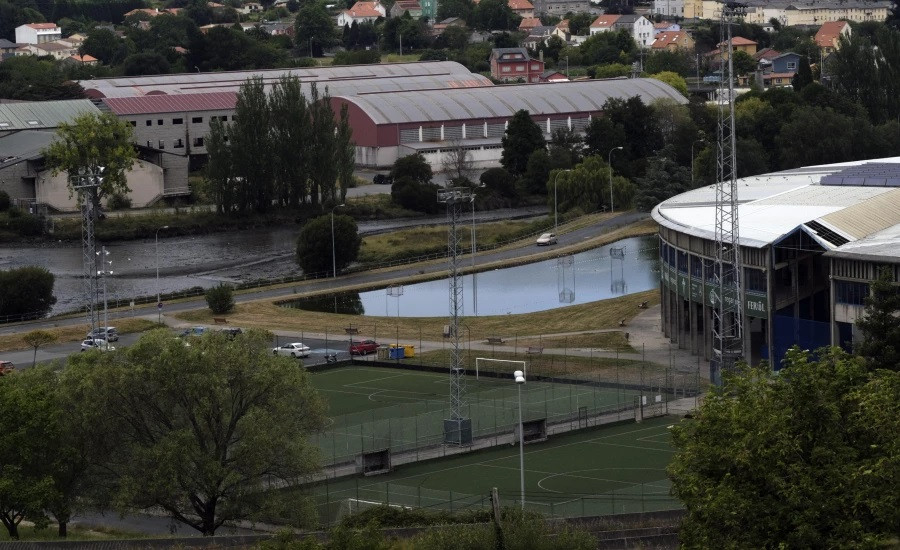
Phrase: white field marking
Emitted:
{"points": [[373, 394], [351, 384], [486, 462], [631, 446], [572, 472]]}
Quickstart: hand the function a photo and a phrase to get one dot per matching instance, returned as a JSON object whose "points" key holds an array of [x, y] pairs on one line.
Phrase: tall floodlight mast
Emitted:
{"points": [[457, 428], [727, 313], [85, 183]]}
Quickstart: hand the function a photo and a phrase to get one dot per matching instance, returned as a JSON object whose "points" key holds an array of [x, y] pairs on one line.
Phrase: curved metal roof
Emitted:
{"points": [[503, 101], [389, 76]]}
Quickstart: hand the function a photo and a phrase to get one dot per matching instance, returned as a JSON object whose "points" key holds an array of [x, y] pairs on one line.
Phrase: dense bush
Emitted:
{"points": [[118, 201], [357, 57], [220, 299], [26, 292], [314, 245]]}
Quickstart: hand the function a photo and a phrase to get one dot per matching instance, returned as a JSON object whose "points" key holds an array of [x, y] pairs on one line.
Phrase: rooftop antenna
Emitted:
{"points": [[727, 314], [457, 428]]}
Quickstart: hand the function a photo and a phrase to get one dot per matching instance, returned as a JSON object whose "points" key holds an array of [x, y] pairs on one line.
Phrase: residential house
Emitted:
{"points": [[402, 6], [522, 8], [604, 23], [777, 80], [8, 49], [277, 28], [562, 30], [527, 24], [666, 26], [429, 9], [153, 12], [561, 7], [764, 58], [251, 7], [361, 12], [668, 8], [38, 33], [639, 27], [57, 50], [553, 76], [439, 28], [738, 44], [828, 37], [786, 63], [673, 41], [511, 64], [87, 60]]}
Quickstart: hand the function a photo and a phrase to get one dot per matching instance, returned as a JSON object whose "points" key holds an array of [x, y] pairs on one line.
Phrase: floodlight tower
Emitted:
{"points": [[457, 428], [86, 183], [728, 315]]}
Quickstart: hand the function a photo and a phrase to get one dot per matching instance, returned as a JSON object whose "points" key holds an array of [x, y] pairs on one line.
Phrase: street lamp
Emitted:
{"points": [[701, 140], [333, 260], [158, 301], [609, 162], [103, 273], [520, 380], [555, 215]]}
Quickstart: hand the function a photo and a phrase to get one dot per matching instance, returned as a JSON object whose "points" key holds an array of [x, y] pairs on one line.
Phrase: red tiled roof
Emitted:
{"points": [[829, 32], [363, 9], [738, 41], [151, 104], [766, 53], [408, 4], [530, 23], [519, 5], [663, 39], [42, 26], [662, 25], [563, 25], [605, 21], [84, 58]]}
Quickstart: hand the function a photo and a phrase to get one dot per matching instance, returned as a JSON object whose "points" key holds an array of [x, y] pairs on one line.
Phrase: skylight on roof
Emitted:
{"points": [[33, 122], [4, 124]]}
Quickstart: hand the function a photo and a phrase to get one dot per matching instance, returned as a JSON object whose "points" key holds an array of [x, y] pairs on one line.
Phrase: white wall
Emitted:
{"points": [[144, 179]]}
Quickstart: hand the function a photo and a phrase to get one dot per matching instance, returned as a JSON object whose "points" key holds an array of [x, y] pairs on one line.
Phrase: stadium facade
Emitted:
{"points": [[812, 240]]}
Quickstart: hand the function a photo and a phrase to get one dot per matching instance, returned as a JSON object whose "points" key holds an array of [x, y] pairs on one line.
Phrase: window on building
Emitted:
{"points": [[224, 118], [505, 68], [133, 122], [198, 142], [149, 143], [177, 121], [792, 65], [197, 119], [535, 67], [179, 144], [162, 144], [755, 280], [520, 68], [849, 292], [159, 122], [149, 122]]}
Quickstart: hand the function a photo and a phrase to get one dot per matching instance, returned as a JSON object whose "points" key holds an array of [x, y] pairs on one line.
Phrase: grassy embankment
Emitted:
{"points": [[28, 532], [74, 333]]}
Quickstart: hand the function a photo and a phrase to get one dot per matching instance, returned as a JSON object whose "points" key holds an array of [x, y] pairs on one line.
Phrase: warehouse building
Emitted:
{"points": [[387, 126], [812, 240]]}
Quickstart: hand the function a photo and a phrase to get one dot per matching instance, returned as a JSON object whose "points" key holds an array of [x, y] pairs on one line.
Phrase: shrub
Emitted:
{"points": [[26, 291], [118, 201], [220, 299], [4, 201]]}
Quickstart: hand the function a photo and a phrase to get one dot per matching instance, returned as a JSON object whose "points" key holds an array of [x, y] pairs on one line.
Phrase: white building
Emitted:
{"points": [[668, 8], [38, 33], [360, 13]]}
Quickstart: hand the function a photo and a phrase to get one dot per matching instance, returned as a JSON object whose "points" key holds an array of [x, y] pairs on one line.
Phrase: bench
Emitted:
{"points": [[351, 330], [220, 320], [494, 340], [534, 350]]}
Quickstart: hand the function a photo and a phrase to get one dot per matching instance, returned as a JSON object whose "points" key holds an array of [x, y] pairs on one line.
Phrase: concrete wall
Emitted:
{"points": [[18, 180], [166, 129], [144, 179]]}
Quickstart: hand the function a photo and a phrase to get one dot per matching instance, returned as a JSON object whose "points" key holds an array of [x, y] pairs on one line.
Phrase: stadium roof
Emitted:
{"points": [[418, 75], [24, 145], [36, 115], [504, 101], [124, 106], [847, 215]]}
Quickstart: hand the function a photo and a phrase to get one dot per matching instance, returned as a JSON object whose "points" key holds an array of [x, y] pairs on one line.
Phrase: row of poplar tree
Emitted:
{"points": [[283, 148]]}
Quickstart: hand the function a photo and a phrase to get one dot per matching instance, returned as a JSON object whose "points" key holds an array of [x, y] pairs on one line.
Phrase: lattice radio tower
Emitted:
{"points": [[727, 315], [457, 428], [85, 183]]}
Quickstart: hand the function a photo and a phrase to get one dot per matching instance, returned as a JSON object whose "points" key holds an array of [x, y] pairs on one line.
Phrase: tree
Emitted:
{"points": [[456, 8], [806, 458], [91, 142], [220, 299], [880, 324], [663, 179], [457, 161], [803, 77], [522, 138], [26, 292], [291, 128], [250, 144], [38, 338], [674, 80], [499, 181], [145, 63], [314, 29], [204, 432], [105, 46], [314, 244], [495, 15], [219, 171], [414, 167], [743, 63]]}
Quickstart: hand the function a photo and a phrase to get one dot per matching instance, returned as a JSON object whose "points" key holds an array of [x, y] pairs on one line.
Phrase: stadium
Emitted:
{"points": [[812, 240]]}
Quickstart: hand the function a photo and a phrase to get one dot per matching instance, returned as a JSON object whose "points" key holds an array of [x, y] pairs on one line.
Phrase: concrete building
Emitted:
{"points": [[38, 33], [435, 122], [812, 239], [561, 7], [789, 13], [512, 64], [668, 8]]}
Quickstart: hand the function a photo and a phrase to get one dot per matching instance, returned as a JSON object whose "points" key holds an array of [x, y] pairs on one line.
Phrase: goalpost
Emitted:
{"points": [[478, 361]]}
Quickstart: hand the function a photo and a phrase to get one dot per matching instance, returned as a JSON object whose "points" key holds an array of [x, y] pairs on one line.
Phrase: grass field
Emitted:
{"points": [[613, 469], [372, 408]]}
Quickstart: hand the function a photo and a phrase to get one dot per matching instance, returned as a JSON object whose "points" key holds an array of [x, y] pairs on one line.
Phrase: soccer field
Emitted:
{"points": [[611, 469], [373, 408]]}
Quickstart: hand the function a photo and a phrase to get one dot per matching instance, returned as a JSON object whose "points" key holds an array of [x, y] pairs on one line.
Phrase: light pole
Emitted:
{"points": [[555, 215], [333, 259], [692, 157], [612, 207], [158, 301], [520, 380], [103, 273]]}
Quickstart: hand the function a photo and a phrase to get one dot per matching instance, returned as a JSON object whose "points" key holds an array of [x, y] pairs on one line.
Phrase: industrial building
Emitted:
{"points": [[812, 240], [387, 126]]}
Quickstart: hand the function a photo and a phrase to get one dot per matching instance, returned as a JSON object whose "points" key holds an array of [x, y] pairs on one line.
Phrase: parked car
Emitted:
{"points": [[110, 334], [96, 343], [294, 349], [230, 333], [546, 239], [363, 347], [382, 179], [193, 331], [6, 367]]}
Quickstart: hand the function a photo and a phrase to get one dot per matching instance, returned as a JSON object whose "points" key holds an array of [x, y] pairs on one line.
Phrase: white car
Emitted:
{"points": [[96, 343], [110, 334], [294, 349], [546, 239]]}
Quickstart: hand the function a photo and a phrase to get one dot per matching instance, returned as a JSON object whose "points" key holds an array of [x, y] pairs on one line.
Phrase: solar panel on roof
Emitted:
{"points": [[870, 174]]}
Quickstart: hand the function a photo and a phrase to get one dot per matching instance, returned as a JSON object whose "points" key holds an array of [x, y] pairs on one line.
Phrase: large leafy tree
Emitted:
{"points": [[495, 15], [26, 292], [664, 178], [290, 133], [204, 431], [523, 137], [878, 86], [249, 138], [314, 245], [880, 324], [315, 29], [414, 167], [92, 142], [806, 458]]}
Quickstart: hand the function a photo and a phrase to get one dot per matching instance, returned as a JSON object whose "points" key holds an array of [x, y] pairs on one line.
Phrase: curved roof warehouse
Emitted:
{"points": [[812, 240]]}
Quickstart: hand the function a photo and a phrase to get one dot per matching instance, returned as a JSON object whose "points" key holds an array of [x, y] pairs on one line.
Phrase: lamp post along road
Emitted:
{"points": [[520, 380], [612, 207], [333, 257], [158, 300], [555, 216]]}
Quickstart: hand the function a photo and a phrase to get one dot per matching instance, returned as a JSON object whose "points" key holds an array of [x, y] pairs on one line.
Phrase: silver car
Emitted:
{"points": [[96, 343], [110, 334], [294, 349], [546, 239]]}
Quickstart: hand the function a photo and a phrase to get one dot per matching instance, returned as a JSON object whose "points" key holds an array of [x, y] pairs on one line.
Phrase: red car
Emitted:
{"points": [[363, 347]]}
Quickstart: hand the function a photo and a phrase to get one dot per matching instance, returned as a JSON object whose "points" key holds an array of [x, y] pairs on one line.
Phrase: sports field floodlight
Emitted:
{"points": [[519, 377]]}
